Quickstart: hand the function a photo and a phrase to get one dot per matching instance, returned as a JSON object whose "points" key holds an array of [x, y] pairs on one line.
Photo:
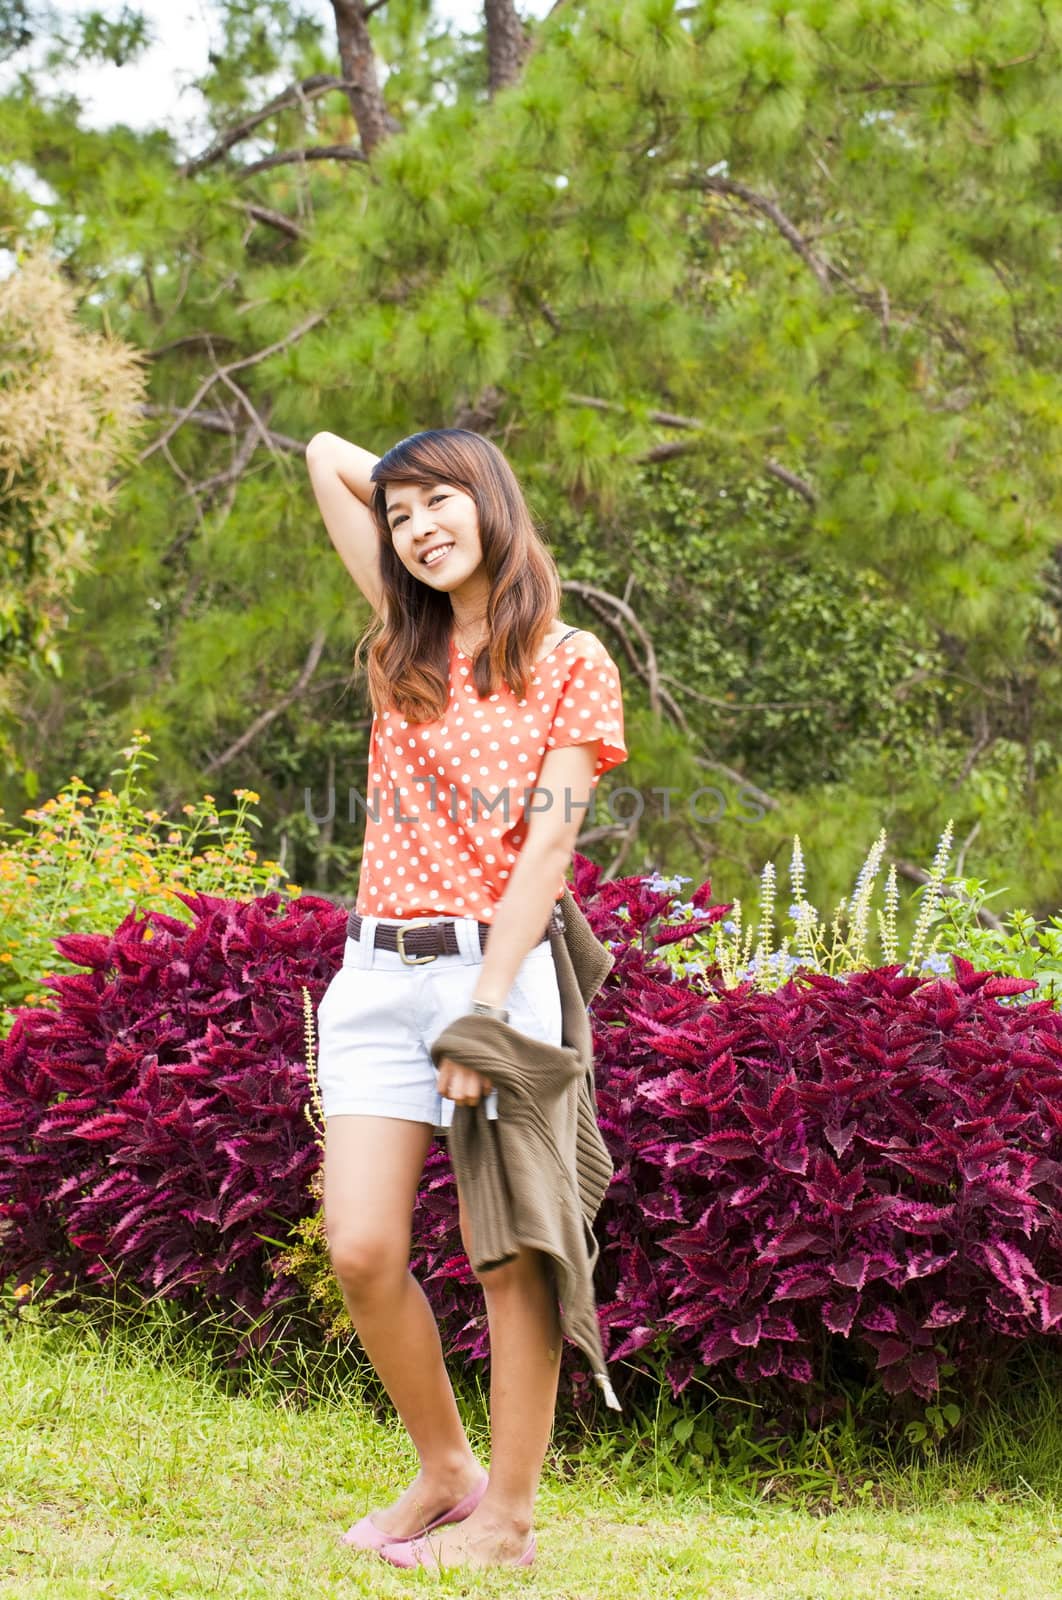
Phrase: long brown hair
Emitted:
{"points": [[408, 642]]}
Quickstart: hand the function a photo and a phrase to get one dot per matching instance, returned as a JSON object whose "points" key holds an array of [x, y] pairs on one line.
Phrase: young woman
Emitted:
{"points": [[493, 721]]}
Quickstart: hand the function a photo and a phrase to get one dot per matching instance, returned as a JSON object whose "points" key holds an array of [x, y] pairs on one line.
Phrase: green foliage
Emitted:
{"points": [[83, 864], [742, 235], [1022, 948]]}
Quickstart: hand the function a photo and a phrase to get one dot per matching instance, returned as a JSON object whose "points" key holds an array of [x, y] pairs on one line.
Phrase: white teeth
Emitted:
{"points": [[437, 555]]}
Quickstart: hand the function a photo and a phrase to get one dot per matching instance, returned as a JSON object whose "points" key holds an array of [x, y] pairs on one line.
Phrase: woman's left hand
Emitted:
{"points": [[463, 1085]]}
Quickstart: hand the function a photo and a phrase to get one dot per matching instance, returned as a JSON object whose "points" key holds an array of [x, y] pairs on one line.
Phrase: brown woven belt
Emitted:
{"points": [[424, 938]]}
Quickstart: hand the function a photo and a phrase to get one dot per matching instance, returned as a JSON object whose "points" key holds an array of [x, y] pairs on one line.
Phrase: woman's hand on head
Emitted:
{"points": [[463, 1085]]}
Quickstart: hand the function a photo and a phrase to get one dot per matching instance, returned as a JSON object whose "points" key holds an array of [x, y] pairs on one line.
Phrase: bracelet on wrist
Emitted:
{"points": [[480, 1008]]}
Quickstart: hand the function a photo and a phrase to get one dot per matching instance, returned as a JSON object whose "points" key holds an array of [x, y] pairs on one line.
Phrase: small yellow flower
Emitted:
{"points": [[7, 956], [22, 1291], [209, 798], [173, 838], [84, 799], [293, 888], [149, 933], [188, 810], [153, 816], [247, 794]]}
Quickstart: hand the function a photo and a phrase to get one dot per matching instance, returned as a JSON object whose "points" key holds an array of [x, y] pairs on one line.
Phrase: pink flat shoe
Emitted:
{"points": [[417, 1552], [365, 1535]]}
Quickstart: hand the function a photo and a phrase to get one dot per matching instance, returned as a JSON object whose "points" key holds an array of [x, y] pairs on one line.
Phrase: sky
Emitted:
{"points": [[150, 91]]}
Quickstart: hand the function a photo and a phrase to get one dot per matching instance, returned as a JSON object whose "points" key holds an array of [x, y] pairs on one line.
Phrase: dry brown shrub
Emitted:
{"points": [[68, 404]]}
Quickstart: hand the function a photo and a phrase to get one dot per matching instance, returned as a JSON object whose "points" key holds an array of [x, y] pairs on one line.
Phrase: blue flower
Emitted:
{"points": [[730, 926], [937, 962]]}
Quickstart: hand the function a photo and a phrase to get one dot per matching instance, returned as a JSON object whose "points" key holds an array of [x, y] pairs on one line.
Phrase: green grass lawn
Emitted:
{"points": [[127, 1469]]}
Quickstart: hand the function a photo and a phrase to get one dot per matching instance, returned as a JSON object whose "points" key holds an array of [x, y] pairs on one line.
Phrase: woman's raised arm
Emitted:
{"points": [[339, 472]]}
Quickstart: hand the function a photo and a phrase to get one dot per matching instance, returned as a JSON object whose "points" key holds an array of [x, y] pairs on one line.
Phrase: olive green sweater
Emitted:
{"points": [[536, 1175]]}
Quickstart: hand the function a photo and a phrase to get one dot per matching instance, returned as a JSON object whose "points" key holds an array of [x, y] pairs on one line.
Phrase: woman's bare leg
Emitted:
{"points": [[525, 1357], [371, 1171]]}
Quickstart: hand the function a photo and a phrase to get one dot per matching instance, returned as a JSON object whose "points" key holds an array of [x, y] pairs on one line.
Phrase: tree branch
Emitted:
{"points": [[309, 667], [309, 89], [248, 405], [667, 452], [791, 480], [745, 705], [769, 209], [317, 152], [975, 71], [189, 339], [232, 367], [275, 219], [221, 422], [617, 612], [232, 474], [759, 795], [666, 419]]}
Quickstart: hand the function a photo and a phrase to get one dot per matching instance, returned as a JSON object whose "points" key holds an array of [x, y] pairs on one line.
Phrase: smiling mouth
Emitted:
{"points": [[434, 557]]}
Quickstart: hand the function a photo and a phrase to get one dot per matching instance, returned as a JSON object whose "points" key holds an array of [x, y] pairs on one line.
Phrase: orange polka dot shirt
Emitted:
{"points": [[450, 795]]}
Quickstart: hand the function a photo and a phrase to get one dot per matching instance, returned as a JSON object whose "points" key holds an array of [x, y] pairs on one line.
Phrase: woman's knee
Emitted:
{"points": [[367, 1264]]}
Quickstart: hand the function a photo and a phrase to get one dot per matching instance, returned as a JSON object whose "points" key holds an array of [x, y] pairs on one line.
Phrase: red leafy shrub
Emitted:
{"points": [[868, 1165], [152, 1127], [874, 1160]]}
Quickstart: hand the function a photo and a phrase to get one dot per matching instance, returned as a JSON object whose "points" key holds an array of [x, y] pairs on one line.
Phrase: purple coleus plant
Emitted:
{"points": [[152, 1127], [872, 1162]]}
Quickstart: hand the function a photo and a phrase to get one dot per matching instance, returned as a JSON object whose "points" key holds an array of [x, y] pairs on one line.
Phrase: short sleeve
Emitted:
{"points": [[590, 706]]}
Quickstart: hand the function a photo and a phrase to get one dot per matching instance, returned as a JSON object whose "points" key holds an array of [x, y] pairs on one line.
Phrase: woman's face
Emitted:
{"points": [[427, 517]]}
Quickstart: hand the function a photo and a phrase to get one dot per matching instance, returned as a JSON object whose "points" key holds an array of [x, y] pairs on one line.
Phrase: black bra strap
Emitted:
{"points": [[569, 634]]}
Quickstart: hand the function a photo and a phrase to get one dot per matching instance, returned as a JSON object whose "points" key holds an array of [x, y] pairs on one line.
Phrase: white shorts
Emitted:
{"points": [[379, 1016]]}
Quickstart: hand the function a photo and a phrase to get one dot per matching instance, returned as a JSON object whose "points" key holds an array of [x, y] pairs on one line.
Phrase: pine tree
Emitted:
{"points": [[800, 257]]}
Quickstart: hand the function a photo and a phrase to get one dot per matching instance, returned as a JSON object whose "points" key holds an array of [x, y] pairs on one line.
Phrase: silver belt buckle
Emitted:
{"points": [[400, 933]]}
